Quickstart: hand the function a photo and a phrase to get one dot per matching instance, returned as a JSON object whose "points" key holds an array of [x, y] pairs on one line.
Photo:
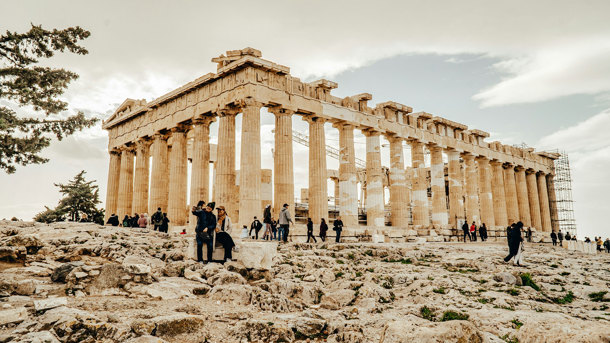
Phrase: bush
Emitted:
{"points": [[452, 315], [568, 298], [598, 296], [516, 323], [526, 278], [440, 290], [427, 313], [512, 292]]}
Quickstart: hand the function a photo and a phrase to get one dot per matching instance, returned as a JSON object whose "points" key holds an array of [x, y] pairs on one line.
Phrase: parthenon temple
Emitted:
{"points": [[152, 143]]}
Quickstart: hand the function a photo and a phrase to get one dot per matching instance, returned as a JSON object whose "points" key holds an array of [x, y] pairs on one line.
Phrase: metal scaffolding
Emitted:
{"points": [[563, 195]]}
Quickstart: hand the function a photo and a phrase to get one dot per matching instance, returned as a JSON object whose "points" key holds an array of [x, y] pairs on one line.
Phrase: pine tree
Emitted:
{"points": [[22, 138], [81, 197]]}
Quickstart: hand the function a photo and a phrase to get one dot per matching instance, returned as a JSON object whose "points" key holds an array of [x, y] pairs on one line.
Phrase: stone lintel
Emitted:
{"points": [[323, 83], [395, 106]]}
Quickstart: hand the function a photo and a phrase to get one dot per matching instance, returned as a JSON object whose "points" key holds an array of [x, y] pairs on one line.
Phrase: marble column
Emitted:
{"points": [[283, 162], [200, 166], [159, 177], [125, 184], [522, 197], [485, 195], [318, 192], [348, 178], [140, 184], [550, 185], [513, 209], [498, 193], [543, 196], [421, 215], [176, 209], [225, 164], [374, 180], [534, 201], [437, 182], [399, 193], [456, 179], [112, 191], [250, 164], [472, 190]]}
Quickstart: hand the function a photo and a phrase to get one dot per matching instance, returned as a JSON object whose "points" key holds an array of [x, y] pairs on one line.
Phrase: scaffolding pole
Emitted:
{"points": [[563, 195]]}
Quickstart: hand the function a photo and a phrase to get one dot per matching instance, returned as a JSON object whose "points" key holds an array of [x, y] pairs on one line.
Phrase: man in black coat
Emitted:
{"points": [[514, 240], [256, 226], [113, 220], [205, 229], [554, 237], [466, 229]]}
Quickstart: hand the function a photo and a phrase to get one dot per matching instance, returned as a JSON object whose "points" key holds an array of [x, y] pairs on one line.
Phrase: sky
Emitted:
{"points": [[527, 72]]}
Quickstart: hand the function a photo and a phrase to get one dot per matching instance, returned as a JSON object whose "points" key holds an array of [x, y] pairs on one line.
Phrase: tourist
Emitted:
{"points": [[587, 240], [267, 221], [338, 228], [126, 221], [183, 232], [285, 221], [560, 237], [134, 220], [323, 231], [223, 234], [113, 220], [554, 237], [273, 229], [164, 223], [143, 221], [607, 245], [256, 226], [529, 234], [473, 232], [244, 232], [599, 243], [574, 237], [515, 244], [157, 219], [310, 230], [206, 223], [568, 237], [483, 232], [466, 231]]}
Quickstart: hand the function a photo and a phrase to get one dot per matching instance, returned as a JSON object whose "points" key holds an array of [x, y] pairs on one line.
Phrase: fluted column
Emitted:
{"points": [[112, 190], [140, 184], [125, 184], [550, 185], [348, 178], [421, 215], [485, 195], [225, 164], [250, 204], [176, 209], [522, 197], [374, 180], [543, 196], [534, 201], [283, 174], [200, 166], [472, 190], [399, 194], [513, 209], [437, 183], [159, 176], [318, 192], [456, 179], [499, 197]]}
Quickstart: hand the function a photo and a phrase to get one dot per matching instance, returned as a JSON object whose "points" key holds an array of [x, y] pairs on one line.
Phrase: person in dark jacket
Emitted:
{"points": [[157, 219], [514, 241], [323, 230], [222, 232], [164, 223], [568, 237], [134, 220], [113, 220], [206, 225], [560, 237], [607, 245], [267, 221], [310, 230], [126, 221], [554, 237], [256, 226], [337, 227], [466, 231], [483, 232], [273, 229]]}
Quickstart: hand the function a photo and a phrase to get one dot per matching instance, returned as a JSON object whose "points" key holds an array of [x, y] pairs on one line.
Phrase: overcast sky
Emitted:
{"points": [[527, 72]]}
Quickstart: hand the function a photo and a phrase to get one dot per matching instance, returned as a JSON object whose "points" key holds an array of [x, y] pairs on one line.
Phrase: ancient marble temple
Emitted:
{"points": [[484, 182]]}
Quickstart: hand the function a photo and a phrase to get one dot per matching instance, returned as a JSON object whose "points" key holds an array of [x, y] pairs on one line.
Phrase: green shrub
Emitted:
{"points": [[526, 278], [452, 315], [427, 313], [568, 298], [598, 296], [338, 275], [513, 292], [440, 290], [516, 323]]}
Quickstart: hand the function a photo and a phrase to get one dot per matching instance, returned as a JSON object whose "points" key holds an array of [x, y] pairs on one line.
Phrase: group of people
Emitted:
{"points": [[559, 236], [515, 243], [158, 220], [601, 244], [471, 231], [337, 227], [212, 229]]}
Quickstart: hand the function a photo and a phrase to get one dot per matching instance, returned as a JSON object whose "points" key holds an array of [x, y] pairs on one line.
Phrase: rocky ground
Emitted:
{"points": [[85, 283]]}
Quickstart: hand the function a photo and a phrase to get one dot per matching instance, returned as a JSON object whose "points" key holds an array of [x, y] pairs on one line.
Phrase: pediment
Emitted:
{"points": [[126, 107]]}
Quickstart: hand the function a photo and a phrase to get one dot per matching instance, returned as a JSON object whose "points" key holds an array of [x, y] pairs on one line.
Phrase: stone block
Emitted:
{"points": [[16, 315], [257, 255], [378, 238], [49, 303]]}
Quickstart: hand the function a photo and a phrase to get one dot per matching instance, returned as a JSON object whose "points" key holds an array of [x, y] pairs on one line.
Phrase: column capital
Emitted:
{"points": [[114, 151], [467, 156], [182, 128], [540, 173], [482, 158], [249, 102], [495, 162], [142, 143], [393, 138], [159, 135], [126, 148], [530, 171], [343, 125], [313, 119], [227, 111], [280, 111], [369, 132]]}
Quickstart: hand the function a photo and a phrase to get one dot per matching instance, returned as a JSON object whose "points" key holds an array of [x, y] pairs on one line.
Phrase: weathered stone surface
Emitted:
{"points": [[146, 339], [39, 337], [49, 303], [13, 315], [257, 255], [416, 330], [177, 324], [60, 273], [506, 278]]}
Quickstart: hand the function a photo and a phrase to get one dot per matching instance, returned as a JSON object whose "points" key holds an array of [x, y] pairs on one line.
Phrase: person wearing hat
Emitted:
{"points": [[284, 221], [205, 229], [223, 230]]}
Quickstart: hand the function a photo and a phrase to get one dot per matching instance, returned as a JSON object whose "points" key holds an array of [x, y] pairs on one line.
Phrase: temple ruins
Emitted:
{"points": [[151, 144]]}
